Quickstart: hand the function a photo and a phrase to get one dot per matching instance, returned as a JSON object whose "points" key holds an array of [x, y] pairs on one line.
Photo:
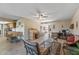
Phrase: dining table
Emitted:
{"points": [[44, 43]]}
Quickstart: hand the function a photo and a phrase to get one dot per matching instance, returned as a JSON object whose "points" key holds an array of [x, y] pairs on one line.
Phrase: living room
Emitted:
{"points": [[50, 26]]}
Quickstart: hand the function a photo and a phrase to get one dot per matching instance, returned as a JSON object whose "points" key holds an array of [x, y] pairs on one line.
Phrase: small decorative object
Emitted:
{"points": [[40, 27], [53, 26], [43, 28], [19, 23], [76, 24], [72, 26], [62, 26], [50, 29]]}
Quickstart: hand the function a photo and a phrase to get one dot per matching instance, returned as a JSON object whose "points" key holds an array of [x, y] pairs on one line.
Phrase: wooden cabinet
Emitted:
{"points": [[33, 34], [12, 25]]}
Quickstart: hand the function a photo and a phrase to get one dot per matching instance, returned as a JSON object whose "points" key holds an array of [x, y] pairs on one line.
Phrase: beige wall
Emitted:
{"points": [[66, 24], [59, 24], [75, 20], [29, 23], [24, 26]]}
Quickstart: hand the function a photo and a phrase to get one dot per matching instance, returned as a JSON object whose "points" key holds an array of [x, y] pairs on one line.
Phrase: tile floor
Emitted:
{"points": [[7, 48]]}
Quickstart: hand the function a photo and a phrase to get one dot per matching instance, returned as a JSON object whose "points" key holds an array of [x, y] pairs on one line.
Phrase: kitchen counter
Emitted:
{"points": [[14, 36], [13, 33]]}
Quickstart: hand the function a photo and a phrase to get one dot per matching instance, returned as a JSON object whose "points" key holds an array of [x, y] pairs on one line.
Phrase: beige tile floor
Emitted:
{"points": [[7, 48]]}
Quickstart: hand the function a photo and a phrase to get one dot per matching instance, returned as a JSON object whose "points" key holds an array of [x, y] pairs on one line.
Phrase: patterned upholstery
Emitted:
{"points": [[55, 48], [33, 48]]}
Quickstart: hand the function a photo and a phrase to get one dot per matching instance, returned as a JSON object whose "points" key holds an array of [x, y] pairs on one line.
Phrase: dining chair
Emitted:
{"points": [[32, 48], [55, 48]]}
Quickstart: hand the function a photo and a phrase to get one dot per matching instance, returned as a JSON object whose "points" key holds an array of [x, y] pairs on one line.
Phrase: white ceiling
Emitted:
{"points": [[55, 11]]}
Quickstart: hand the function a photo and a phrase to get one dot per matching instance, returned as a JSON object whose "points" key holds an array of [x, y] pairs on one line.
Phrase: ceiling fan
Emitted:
{"points": [[41, 14]]}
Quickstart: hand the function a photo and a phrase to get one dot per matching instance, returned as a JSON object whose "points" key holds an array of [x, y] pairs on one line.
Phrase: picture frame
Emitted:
{"points": [[76, 24], [53, 26], [72, 26]]}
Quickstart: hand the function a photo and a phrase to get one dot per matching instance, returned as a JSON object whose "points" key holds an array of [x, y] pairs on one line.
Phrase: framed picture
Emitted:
{"points": [[76, 24], [43, 28], [53, 26], [62, 26], [19, 23], [72, 26]]}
